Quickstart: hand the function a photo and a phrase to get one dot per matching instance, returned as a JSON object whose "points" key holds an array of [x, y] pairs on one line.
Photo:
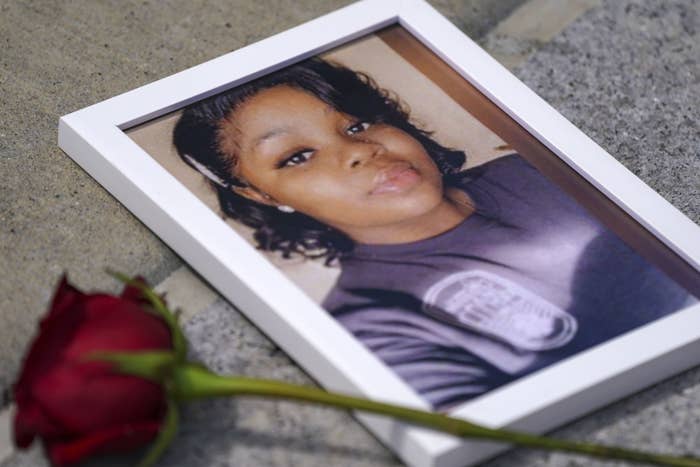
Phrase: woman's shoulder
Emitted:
{"points": [[506, 179], [511, 187], [504, 166]]}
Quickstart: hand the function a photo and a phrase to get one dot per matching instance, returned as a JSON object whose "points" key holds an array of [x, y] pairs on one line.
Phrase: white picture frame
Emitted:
{"points": [[94, 138]]}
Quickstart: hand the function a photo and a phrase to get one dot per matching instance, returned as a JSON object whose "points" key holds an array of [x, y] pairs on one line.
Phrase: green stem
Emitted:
{"points": [[196, 382]]}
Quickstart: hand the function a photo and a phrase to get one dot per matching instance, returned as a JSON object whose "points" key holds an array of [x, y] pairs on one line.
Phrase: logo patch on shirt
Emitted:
{"points": [[497, 307]]}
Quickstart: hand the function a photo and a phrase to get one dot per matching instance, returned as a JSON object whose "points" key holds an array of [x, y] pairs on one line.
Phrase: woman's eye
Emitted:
{"points": [[358, 127], [297, 158]]}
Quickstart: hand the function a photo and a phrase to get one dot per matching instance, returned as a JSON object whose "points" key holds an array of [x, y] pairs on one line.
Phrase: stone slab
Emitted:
{"points": [[530, 26]]}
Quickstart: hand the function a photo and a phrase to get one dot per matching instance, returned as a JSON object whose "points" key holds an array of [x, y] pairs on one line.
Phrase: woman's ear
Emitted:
{"points": [[253, 194]]}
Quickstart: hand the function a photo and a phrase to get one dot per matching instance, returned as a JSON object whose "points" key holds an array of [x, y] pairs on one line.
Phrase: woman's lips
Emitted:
{"points": [[395, 179]]}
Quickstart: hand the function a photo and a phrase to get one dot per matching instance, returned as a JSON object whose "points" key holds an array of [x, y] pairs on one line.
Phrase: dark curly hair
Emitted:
{"points": [[196, 139]]}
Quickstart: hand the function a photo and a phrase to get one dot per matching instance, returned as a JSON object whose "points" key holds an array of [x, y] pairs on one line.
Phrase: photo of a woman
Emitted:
{"points": [[459, 280]]}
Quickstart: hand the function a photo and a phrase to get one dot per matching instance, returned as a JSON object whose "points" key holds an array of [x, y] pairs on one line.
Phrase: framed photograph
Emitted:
{"points": [[409, 222]]}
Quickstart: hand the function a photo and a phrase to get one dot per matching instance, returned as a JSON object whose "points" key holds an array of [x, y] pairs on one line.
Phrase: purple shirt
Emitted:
{"points": [[529, 279]]}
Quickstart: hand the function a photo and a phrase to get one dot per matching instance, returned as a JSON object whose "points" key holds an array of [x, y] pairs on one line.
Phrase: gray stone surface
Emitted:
{"points": [[625, 73], [530, 26], [476, 17], [262, 432], [628, 75]]}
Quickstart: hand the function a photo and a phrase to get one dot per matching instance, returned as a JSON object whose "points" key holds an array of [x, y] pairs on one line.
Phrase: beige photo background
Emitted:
{"points": [[430, 107]]}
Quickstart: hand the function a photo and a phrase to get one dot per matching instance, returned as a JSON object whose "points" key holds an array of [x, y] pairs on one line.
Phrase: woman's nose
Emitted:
{"points": [[357, 153]]}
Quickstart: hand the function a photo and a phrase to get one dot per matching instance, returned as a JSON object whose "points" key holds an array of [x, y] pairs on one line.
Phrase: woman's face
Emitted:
{"points": [[296, 150]]}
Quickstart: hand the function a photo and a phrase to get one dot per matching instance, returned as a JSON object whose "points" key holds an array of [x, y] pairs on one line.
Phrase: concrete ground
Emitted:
{"points": [[625, 71]]}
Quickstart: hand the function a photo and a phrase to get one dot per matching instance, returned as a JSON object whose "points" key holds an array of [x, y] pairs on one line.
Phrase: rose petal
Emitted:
{"points": [[27, 425], [47, 349], [65, 297], [87, 397], [31, 421], [113, 324], [114, 439]]}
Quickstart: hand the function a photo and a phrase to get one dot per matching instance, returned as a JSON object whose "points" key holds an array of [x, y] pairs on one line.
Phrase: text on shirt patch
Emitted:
{"points": [[495, 306]]}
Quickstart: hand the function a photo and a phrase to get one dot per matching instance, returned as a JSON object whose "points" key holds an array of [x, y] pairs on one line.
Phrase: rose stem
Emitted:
{"points": [[195, 382]]}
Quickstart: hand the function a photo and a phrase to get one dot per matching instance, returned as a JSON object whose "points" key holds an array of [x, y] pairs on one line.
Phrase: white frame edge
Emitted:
{"points": [[93, 137]]}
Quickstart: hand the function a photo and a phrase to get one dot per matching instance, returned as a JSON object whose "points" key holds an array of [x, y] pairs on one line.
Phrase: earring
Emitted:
{"points": [[285, 208]]}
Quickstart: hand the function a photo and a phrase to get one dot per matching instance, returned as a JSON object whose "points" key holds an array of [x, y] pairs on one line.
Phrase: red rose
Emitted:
{"points": [[77, 405]]}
